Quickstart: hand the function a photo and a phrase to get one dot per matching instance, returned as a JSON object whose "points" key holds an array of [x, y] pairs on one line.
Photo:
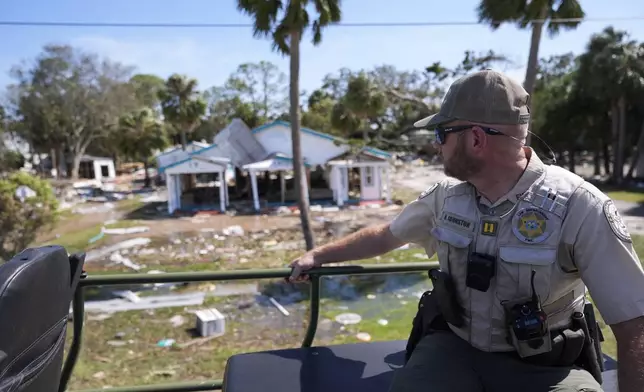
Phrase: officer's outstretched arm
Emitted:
{"points": [[363, 244], [603, 252], [413, 224]]}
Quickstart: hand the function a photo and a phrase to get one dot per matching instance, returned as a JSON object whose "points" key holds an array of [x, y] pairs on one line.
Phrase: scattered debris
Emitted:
{"points": [[96, 237], [163, 373], [348, 318], [158, 301], [177, 320], [198, 341], [99, 375], [116, 343], [233, 231], [363, 336], [103, 252], [210, 322], [278, 306], [129, 295], [165, 342], [126, 230], [94, 209], [117, 258]]}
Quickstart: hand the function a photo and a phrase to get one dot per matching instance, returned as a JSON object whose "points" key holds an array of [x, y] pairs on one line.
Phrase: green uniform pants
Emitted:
{"points": [[443, 362]]}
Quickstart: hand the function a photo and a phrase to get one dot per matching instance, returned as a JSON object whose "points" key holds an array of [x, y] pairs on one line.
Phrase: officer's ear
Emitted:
{"points": [[479, 139]]}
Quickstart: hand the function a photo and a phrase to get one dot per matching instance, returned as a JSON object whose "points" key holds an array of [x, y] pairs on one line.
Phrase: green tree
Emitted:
{"points": [[612, 67], [70, 99], [183, 105], [147, 89], [285, 23], [140, 134], [20, 221], [362, 103], [535, 13]]}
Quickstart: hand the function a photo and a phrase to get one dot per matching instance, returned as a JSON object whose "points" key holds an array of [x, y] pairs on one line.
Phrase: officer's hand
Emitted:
{"points": [[301, 264]]}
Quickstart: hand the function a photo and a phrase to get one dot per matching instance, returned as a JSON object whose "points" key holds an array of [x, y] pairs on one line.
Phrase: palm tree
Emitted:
{"points": [[182, 105], [140, 134], [362, 101], [612, 67], [535, 13], [285, 23]]}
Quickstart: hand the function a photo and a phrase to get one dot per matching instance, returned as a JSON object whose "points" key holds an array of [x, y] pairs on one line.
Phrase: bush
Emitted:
{"points": [[20, 222]]}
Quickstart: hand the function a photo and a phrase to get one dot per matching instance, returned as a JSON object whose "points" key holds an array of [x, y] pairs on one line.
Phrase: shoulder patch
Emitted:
{"points": [[615, 221], [428, 191]]}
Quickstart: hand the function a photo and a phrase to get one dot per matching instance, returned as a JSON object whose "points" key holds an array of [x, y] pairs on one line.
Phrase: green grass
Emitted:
{"points": [[632, 196], [78, 241]]}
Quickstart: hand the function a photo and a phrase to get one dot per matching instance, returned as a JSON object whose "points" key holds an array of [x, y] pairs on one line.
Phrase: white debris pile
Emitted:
{"points": [[104, 252], [116, 258]]}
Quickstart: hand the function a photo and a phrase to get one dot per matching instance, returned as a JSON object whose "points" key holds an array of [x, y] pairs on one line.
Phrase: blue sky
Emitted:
{"points": [[211, 55]]}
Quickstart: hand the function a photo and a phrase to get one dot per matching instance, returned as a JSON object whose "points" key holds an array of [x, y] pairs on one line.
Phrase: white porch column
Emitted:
{"points": [[222, 192], [170, 185], [178, 190], [339, 189], [387, 184], [226, 187], [282, 186], [253, 183], [345, 188], [98, 174]]}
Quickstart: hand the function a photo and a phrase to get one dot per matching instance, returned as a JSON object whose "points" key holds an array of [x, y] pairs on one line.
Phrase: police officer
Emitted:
{"points": [[507, 229]]}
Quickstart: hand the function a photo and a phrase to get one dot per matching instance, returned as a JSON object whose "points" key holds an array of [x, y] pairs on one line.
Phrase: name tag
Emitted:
{"points": [[457, 221]]}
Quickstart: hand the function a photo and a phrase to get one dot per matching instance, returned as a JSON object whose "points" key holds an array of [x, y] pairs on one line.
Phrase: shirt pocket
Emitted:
{"points": [[514, 271], [453, 250]]}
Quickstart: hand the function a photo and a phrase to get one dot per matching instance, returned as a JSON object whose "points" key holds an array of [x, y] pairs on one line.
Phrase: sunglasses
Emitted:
{"points": [[441, 132]]}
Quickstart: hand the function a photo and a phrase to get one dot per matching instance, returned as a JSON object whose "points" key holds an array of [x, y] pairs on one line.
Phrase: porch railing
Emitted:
{"points": [[181, 277]]}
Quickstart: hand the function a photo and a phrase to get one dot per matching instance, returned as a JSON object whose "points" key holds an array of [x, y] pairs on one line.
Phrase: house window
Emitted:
{"points": [[368, 175]]}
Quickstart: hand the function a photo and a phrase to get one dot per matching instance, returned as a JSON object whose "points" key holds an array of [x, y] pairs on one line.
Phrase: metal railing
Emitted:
{"points": [[181, 277]]}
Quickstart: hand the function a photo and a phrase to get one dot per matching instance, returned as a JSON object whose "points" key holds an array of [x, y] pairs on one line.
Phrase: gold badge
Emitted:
{"points": [[530, 225], [489, 227]]}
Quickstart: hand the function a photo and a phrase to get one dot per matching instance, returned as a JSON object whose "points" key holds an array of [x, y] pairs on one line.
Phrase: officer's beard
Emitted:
{"points": [[461, 165]]}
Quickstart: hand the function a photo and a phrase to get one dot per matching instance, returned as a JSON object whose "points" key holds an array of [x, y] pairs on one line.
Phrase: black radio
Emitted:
{"points": [[528, 324]]}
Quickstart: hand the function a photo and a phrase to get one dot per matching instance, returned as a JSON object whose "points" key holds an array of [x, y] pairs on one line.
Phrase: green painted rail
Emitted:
{"points": [[180, 277]]}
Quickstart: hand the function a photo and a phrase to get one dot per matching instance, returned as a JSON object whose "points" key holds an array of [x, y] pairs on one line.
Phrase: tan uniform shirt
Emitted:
{"points": [[594, 239]]}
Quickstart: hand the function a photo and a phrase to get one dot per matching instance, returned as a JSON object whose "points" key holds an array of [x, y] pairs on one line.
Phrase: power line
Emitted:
{"points": [[345, 24]]}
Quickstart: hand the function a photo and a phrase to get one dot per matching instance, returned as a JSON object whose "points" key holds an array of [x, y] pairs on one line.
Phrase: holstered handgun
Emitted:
{"points": [[446, 297], [433, 307]]}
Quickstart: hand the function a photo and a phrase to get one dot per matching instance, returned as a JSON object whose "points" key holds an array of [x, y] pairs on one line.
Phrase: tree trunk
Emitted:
{"points": [[184, 140], [533, 57], [614, 117], [621, 140], [597, 159], [76, 161], [54, 162], [146, 182], [606, 157], [571, 159], [298, 161]]}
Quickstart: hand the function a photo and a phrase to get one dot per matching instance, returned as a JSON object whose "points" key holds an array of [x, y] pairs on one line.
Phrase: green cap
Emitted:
{"points": [[486, 97]]}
